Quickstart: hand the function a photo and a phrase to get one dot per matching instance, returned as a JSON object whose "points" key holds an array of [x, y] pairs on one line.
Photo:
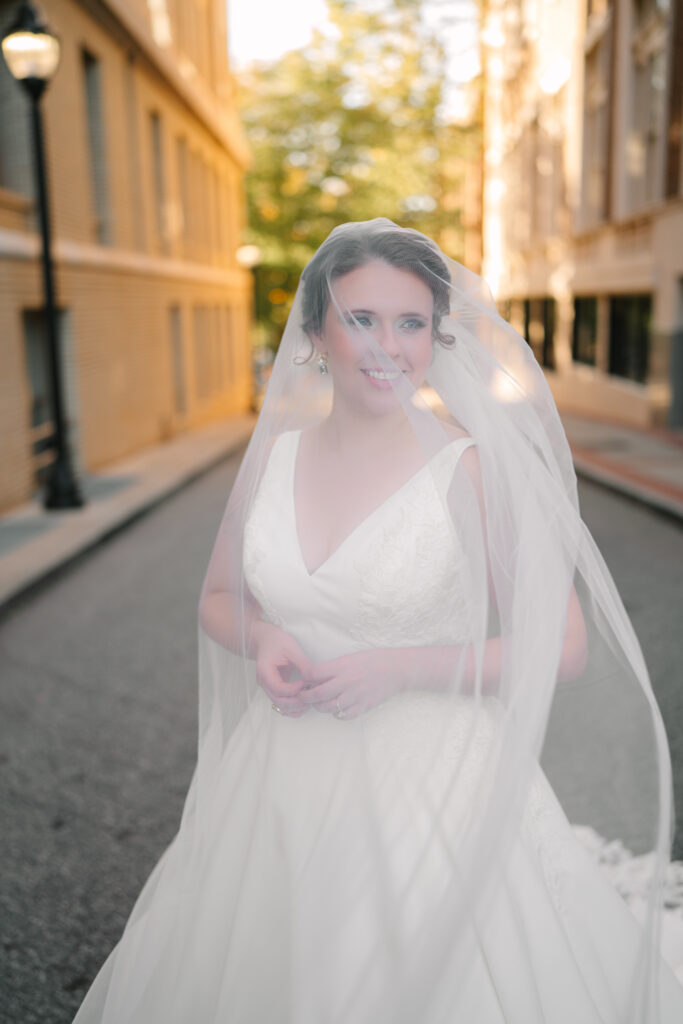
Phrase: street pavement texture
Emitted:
{"points": [[98, 723]]}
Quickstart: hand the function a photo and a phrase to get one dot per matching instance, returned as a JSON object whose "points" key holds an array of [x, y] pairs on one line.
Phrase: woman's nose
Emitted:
{"points": [[389, 340]]}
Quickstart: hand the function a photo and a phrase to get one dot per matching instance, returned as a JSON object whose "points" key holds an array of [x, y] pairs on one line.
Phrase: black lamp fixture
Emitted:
{"points": [[31, 52]]}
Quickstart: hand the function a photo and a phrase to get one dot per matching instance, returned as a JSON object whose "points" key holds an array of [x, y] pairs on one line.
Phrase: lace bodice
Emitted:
{"points": [[400, 578]]}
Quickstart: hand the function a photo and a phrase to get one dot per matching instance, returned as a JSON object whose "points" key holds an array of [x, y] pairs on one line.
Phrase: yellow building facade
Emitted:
{"points": [[145, 159], [583, 196]]}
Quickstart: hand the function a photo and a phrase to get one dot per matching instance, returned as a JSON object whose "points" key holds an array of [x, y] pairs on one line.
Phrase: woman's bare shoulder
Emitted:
{"points": [[454, 431]]}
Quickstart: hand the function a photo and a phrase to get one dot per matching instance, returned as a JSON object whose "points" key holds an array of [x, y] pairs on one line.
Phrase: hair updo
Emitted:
{"points": [[354, 245]]}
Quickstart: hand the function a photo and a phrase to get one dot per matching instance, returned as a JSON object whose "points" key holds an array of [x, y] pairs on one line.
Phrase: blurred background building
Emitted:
{"points": [[560, 177], [583, 196], [145, 159], [538, 141]]}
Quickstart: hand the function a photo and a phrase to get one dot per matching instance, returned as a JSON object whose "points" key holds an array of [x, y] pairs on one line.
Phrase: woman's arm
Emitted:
{"points": [[354, 683], [439, 663], [435, 667], [232, 622], [228, 611]]}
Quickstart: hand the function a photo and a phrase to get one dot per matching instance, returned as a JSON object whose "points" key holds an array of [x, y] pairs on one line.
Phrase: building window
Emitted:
{"points": [[229, 348], [549, 184], [645, 145], [596, 116], [158, 179], [584, 340], [41, 423], [201, 368], [674, 154], [676, 364], [95, 122], [183, 187], [206, 355], [527, 321], [205, 200], [137, 192], [232, 190], [218, 363], [15, 138], [539, 329], [217, 213], [177, 359], [198, 218], [629, 336], [37, 364], [549, 333], [515, 315]]}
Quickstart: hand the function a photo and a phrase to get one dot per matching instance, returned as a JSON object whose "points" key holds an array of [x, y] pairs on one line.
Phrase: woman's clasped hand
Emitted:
{"points": [[344, 687]]}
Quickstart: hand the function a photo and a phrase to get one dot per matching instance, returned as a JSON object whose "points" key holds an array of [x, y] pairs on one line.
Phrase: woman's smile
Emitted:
{"points": [[382, 378]]}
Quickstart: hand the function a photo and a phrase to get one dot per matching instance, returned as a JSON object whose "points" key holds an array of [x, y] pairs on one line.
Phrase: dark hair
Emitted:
{"points": [[357, 244]]}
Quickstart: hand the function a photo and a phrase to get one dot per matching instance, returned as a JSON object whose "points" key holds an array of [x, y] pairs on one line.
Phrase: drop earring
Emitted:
{"points": [[322, 363]]}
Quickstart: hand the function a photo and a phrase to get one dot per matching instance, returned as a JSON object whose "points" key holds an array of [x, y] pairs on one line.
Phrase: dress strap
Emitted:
{"points": [[455, 449], [445, 462]]}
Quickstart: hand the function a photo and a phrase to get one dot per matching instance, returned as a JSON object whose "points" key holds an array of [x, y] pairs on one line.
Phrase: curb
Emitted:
{"points": [[75, 533], [659, 497]]}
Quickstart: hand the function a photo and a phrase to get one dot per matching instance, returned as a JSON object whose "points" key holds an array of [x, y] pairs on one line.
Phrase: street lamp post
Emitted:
{"points": [[31, 52]]}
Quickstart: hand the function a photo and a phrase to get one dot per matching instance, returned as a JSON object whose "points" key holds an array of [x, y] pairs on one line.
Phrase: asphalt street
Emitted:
{"points": [[98, 719]]}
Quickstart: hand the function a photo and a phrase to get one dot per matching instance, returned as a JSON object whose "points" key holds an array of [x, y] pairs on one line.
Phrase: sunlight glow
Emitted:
{"points": [[264, 30]]}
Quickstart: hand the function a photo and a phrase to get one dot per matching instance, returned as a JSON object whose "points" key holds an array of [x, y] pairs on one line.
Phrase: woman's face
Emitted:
{"points": [[377, 305]]}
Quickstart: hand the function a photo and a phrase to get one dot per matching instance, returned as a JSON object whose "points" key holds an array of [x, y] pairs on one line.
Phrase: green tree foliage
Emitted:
{"points": [[349, 128]]}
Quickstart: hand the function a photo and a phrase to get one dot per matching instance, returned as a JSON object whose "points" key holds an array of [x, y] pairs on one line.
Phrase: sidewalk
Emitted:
{"points": [[34, 544], [644, 464]]}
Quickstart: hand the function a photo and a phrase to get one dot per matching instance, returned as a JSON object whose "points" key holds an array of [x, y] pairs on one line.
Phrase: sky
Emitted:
{"points": [[265, 29]]}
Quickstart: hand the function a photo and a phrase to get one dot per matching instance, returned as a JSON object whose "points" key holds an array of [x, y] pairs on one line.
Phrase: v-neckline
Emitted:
{"points": [[359, 525]]}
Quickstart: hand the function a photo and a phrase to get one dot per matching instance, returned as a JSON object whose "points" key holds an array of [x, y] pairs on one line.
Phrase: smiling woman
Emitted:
{"points": [[379, 825]]}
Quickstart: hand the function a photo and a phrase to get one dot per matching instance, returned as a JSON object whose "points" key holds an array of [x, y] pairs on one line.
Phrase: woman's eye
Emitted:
{"points": [[359, 321], [413, 324]]}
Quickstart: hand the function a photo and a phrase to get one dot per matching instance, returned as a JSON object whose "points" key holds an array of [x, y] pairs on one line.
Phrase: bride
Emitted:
{"points": [[415, 671]]}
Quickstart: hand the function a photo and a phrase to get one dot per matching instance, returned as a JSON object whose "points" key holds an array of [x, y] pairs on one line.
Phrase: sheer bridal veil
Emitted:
{"points": [[500, 617]]}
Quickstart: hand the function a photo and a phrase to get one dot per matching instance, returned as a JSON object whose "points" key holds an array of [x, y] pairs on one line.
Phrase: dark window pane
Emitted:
{"points": [[549, 334], [158, 179], [95, 121], [38, 367], [39, 380], [177, 358], [539, 329], [585, 330], [629, 336]]}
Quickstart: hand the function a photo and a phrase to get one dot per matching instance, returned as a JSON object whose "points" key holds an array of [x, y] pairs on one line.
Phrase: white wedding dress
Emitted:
{"points": [[317, 823]]}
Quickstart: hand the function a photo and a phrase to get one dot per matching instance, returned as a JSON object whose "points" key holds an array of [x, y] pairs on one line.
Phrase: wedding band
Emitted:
{"points": [[339, 713]]}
